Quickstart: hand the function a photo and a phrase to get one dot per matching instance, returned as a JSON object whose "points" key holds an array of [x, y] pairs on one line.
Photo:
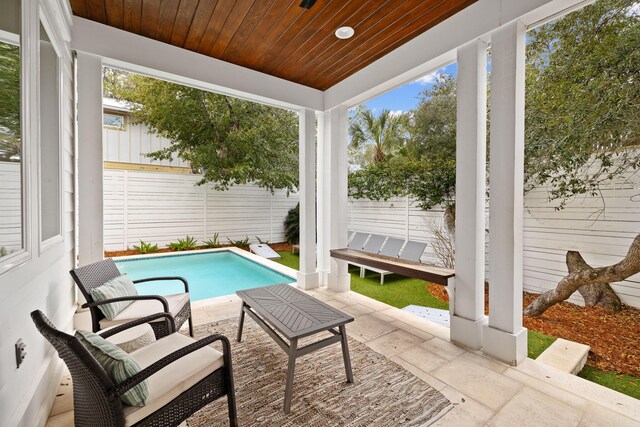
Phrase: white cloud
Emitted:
{"points": [[429, 78], [396, 112], [634, 10]]}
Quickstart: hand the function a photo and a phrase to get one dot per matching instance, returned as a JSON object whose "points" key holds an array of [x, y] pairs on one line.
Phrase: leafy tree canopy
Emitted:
{"points": [[232, 141], [583, 99], [424, 166], [582, 113], [378, 135], [9, 102]]}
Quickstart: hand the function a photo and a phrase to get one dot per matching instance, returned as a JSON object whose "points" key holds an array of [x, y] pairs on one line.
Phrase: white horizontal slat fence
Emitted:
{"points": [[10, 207], [160, 207], [600, 228]]}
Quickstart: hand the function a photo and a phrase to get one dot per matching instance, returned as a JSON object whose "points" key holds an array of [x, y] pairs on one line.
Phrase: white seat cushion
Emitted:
{"points": [[171, 381], [132, 339], [138, 309]]}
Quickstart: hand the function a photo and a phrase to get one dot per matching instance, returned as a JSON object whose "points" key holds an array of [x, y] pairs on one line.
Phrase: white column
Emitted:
{"points": [[90, 186], [323, 202], [467, 309], [307, 276], [332, 197], [504, 337]]}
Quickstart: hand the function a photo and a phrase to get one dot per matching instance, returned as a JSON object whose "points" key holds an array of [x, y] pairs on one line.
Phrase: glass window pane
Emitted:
{"points": [[49, 139], [113, 120], [11, 188]]}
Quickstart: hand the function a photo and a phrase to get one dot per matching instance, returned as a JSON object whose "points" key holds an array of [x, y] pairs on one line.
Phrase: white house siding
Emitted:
{"points": [[161, 207], [130, 145], [10, 211], [43, 281], [602, 237]]}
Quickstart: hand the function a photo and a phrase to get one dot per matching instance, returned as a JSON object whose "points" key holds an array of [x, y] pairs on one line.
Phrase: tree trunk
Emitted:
{"points": [[593, 278], [594, 294], [449, 218]]}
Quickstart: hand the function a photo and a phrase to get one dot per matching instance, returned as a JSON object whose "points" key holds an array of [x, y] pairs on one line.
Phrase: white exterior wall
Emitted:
{"points": [[160, 207], [603, 238], [129, 145], [42, 281]]}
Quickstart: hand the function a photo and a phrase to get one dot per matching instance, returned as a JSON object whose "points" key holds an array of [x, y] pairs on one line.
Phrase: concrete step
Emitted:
{"points": [[567, 356]]}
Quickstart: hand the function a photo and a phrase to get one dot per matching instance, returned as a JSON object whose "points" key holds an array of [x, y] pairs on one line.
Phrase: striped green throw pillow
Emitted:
{"points": [[118, 365], [120, 286]]}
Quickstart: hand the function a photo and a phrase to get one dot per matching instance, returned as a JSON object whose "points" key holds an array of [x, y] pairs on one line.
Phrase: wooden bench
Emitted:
{"points": [[430, 273]]}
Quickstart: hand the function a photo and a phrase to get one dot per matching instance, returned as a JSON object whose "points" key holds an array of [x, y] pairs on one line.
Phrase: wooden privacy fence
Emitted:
{"points": [[162, 207]]}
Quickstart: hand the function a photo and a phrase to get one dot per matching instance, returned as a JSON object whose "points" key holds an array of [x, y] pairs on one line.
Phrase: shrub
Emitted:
{"points": [[186, 244], [213, 243], [292, 225], [146, 248], [239, 243], [264, 242]]}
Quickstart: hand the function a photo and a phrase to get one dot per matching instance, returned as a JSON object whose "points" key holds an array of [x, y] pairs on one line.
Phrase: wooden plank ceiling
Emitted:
{"points": [[278, 37]]}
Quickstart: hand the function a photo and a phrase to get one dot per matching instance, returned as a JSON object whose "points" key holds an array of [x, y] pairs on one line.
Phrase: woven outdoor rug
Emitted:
{"points": [[383, 394]]}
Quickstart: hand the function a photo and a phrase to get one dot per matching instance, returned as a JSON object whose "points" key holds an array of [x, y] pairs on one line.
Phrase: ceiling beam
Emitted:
{"points": [[156, 59]]}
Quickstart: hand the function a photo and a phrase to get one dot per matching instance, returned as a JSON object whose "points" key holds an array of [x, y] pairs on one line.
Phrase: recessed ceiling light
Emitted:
{"points": [[344, 32]]}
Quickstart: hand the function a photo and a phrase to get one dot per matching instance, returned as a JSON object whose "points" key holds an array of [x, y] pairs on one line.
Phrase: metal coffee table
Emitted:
{"points": [[295, 315]]}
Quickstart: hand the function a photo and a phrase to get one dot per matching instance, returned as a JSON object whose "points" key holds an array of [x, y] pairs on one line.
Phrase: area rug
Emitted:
{"points": [[383, 394]]}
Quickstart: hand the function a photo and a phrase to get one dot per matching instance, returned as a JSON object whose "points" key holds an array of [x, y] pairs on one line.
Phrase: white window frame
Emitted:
{"points": [[53, 241], [21, 256]]}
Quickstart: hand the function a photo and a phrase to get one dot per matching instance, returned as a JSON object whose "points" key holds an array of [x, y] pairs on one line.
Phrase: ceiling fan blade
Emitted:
{"points": [[307, 4]]}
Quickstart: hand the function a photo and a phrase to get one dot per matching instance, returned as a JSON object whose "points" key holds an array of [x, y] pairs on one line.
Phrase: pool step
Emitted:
{"points": [[567, 356]]}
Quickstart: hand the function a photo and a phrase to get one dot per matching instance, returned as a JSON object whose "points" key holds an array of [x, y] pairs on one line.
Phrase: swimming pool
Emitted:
{"points": [[210, 274]]}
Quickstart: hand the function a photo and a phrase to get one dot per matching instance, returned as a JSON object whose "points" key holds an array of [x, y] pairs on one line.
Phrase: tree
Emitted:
{"points": [[232, 141], [384, 133], [583, 116], [592, 283], [10, 143], [424, 166], [583, 99]]}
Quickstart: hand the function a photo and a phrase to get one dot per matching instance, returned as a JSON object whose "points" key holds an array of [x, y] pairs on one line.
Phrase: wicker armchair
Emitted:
{"points": [[178, 363], [97, 274]]}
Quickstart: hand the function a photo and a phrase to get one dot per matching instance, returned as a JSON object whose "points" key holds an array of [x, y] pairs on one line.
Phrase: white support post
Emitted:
{"points": [[307, 276], [504, 337], [467, 308], [323, 202], [335, 170], [90, 167]]}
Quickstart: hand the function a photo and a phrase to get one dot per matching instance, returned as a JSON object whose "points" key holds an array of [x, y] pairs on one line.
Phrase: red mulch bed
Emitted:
{"points": [[283, 246], [614, 338]]}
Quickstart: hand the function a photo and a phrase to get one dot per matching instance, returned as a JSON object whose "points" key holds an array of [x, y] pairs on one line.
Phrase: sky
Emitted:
{"points": [[406, 97]]}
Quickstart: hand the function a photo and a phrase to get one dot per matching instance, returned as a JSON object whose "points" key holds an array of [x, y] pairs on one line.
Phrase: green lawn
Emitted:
{"points": [[397, 291], [538, 343], [625, 384], [400, 292]]}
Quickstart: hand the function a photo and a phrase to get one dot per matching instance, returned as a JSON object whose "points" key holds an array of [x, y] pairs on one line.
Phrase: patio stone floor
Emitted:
{"points": [[484, 392]]}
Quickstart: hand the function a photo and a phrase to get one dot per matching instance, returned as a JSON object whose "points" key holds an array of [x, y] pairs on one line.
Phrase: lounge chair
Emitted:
{"points": [[97, 274], [412, 251], [183, 375], [373, 245], [358, 240], [390, 249]]}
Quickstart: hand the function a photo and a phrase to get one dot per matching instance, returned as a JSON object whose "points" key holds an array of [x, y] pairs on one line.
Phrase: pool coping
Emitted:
{"points": [[282, 269]]}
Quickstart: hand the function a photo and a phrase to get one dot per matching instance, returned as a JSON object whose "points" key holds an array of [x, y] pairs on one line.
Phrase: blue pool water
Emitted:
{"points": [[210, 274]]}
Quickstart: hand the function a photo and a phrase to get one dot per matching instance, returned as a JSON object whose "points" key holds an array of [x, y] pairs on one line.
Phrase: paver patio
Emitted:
{"points": [[483, 390]]}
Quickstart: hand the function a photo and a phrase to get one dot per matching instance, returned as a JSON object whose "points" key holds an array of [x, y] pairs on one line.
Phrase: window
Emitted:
{"points": [[12, 230], [113, 120], [50, 150]]}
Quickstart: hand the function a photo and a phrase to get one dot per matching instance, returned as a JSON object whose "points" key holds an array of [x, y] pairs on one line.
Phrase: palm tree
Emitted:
{"points": [[383, 133]]}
